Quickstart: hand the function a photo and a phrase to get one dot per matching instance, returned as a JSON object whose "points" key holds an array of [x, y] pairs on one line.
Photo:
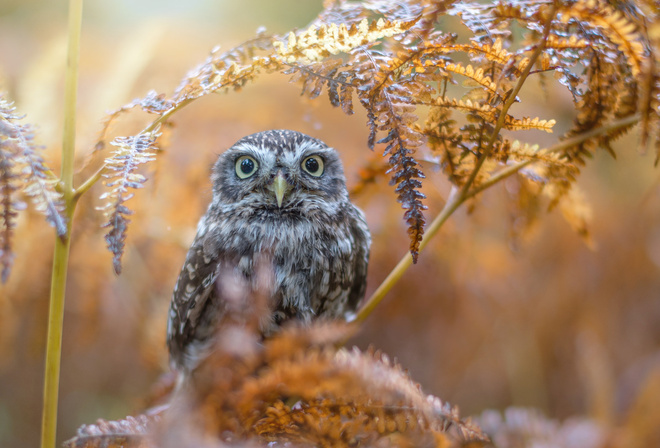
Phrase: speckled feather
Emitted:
{"points": [[318, 243]]}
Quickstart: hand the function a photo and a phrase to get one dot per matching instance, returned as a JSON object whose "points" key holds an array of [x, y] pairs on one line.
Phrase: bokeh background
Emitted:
{"points": [[503, 309]]}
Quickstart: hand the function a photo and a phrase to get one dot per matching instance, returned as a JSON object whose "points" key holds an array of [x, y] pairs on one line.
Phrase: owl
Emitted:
{"points": [[279, 196]]}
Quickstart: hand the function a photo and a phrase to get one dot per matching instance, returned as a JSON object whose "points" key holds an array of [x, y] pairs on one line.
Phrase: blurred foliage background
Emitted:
{"points": [[502, 309]]}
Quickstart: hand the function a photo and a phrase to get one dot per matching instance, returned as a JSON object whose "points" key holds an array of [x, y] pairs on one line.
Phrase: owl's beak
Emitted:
{"points": [[280, 187]]}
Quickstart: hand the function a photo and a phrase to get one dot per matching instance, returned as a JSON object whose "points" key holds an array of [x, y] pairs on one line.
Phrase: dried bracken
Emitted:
{"points": [[22, 169], [403, 70], [428, 95], [131, 432], [294, 388], [131, 152], [393, 59], [316, 44]]}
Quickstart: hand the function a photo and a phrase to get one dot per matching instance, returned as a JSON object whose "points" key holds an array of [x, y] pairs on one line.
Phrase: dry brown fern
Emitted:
{"points": [[404, 70], [130, 153], [294, 388], [393, 58], [428, 94], [23, 170], [131, 432]]}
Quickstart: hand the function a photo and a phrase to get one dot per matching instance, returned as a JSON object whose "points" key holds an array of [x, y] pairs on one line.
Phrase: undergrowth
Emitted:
{"points": [[428, 96]]}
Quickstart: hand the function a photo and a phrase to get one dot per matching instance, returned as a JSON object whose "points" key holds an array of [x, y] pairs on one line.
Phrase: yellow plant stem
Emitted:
{"points": [[62, 244], [450, 206], [54, 338]]}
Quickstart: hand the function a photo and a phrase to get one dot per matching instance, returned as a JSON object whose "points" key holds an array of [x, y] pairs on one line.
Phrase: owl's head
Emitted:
{"points": [[279, 168]]}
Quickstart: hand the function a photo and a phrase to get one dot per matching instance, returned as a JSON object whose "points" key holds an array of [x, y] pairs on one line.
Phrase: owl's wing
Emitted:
{"points": [[194, 287], [362, 243]]}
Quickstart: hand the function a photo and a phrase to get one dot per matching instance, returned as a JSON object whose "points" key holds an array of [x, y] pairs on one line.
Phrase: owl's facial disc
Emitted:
{"points": [[280, 187]]}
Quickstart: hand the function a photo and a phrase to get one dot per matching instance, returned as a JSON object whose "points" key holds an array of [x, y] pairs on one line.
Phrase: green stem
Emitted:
{"points": [[62, 245]]}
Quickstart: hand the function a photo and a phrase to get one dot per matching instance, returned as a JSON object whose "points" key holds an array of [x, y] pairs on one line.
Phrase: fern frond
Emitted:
{"points": [[131, 152], [649, 106], [477, 75], [515, 124], [23, 169], [482, 19], [523, 151], [406, 176], [130, 432], [607, 95], [313, 77], [482, 110], [461, 166], [206, 78], [9, 206], [363, 396], [510, 10], [41, 188], [616, 26], [494, 52], [234, 77], [317, 43], [391, 109], [298, 388], [571, 43], [153, 103]]}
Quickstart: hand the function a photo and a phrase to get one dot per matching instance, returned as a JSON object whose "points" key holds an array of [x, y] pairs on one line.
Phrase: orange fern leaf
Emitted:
{"points": [[317, 43], [515, 124], [620, 30]]}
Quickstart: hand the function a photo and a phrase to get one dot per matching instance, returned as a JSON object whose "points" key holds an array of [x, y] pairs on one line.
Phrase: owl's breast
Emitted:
{"points": [[311, 258], [311, 255], [304, 243]]}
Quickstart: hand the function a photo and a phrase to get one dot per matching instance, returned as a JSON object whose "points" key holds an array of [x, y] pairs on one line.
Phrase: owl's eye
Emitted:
{"points": [[313, 165], [246, 166]]}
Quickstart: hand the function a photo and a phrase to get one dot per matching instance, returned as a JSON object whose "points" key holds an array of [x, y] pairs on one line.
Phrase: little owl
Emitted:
{"points": [[279, 194]]}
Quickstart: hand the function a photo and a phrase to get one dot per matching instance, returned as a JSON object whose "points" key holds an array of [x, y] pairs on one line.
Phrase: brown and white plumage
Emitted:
{"points": [[281, 194]]}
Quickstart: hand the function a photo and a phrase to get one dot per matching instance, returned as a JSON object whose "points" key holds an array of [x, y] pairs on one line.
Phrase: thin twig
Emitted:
{"points": [[565, 144], [89, 183]]}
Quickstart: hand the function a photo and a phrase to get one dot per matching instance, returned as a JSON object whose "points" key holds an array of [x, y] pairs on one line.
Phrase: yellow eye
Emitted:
{"points": [[246, 166], [313, 165]]}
